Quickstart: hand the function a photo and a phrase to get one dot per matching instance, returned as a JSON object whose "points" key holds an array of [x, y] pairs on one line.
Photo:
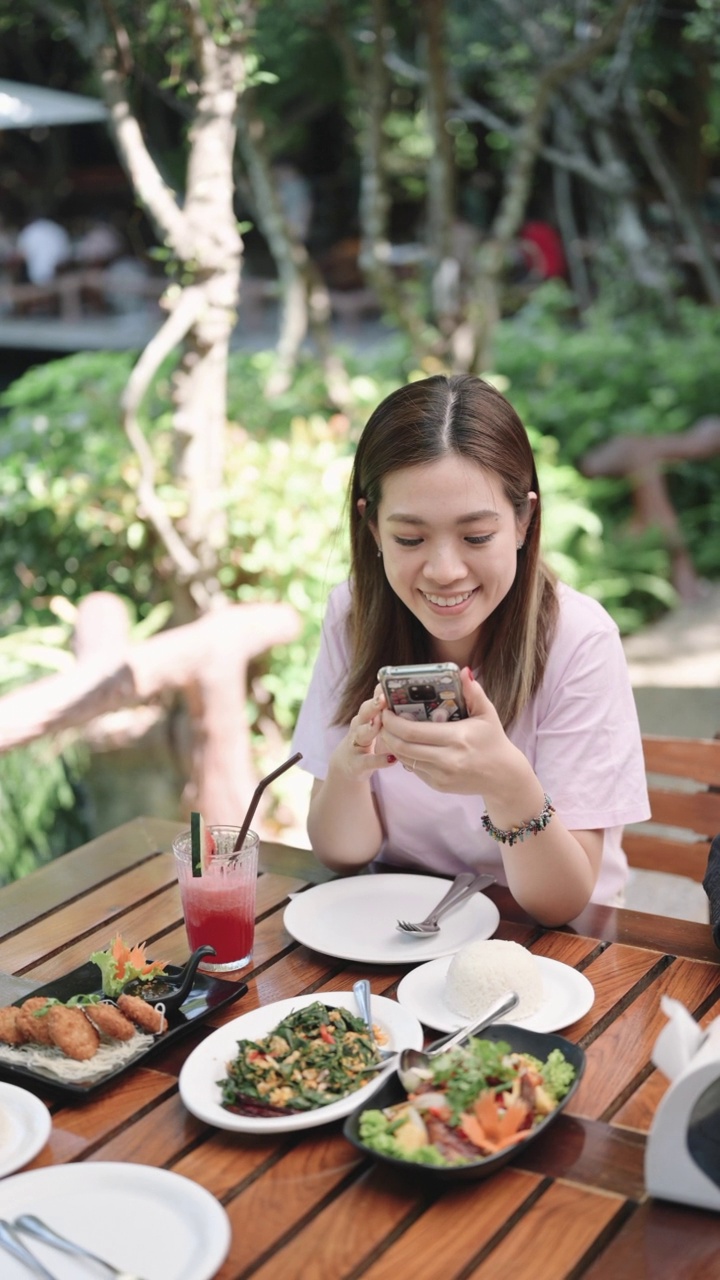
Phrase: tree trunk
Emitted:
{"points": [[528, 144], [562, 188], [304, 299], [372, 93], [205, 242], [443, 263], [667, 182], [206, 661]]}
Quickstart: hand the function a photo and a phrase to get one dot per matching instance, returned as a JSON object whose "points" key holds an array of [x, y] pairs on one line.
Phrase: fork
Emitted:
{"points": [[35, 1227], [461, 888], [10, 1240]]}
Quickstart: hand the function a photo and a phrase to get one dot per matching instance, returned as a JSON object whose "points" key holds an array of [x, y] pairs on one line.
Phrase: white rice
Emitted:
{"points": [[483, 971]]}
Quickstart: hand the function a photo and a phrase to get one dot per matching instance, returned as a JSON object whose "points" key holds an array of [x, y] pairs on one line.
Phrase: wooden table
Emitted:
{"points": [[573, 1204]]}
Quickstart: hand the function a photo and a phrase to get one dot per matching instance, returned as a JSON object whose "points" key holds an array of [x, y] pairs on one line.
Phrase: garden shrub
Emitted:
{"points": [[70, 524]]}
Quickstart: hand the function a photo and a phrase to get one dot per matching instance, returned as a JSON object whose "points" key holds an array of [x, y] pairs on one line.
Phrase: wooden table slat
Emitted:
{"points": [[571, 1204], [562, 1225], [447, 1238], [622, 1053], [662, 1241]]}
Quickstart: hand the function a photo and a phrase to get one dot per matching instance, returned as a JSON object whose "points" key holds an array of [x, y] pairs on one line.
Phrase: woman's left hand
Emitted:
{"points": [[459, 756]]}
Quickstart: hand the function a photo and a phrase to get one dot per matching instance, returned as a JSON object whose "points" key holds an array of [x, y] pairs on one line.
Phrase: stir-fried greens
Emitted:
{"points": [[315, 1056], [477, 1101]]}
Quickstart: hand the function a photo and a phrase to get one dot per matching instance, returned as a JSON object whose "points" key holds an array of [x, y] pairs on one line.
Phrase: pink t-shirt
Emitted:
{"points": [[580, 733]]}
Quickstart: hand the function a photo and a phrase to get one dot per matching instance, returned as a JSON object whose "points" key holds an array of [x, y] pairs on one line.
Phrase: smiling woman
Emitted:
{"points": [[536, 783]]}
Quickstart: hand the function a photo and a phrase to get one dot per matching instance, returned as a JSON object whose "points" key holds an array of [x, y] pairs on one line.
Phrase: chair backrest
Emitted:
{"points": [[691, 804]]}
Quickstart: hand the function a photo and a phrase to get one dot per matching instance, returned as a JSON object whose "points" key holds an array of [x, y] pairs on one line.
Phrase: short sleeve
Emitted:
{"points": [[316, 736], [581, 733]]}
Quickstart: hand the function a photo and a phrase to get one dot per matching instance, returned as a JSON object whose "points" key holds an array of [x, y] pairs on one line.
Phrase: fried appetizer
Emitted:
{"points": [[110, 1021], [10, 1028], [144, 1015], [33, 1020], [72, 1033]]}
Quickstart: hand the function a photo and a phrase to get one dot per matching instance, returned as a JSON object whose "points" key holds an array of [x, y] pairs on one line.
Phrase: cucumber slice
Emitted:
{"points": [[197, 843]]}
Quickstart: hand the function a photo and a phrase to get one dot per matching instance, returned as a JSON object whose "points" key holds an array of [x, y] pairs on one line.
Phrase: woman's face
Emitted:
{"points": [[449, 540]]}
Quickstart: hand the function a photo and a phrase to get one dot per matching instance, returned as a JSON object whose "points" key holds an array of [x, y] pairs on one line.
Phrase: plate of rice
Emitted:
{"points": [[451, 991]]}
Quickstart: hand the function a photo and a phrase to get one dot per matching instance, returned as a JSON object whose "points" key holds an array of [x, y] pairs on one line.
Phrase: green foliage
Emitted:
{"points": [[41, 812], [580, 386], [40, 809], [288, 471], [68, 509], [70, 522]]}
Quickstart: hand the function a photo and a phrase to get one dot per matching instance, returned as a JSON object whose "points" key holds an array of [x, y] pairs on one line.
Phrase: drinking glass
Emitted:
{"points": [[219, 905]]}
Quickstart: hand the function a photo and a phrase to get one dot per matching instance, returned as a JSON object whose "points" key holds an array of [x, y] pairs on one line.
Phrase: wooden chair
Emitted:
{"points": [[690, 804]]}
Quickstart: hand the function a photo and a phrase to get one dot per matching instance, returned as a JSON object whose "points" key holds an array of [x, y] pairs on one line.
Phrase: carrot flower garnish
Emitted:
{"points": [[120, 964]]}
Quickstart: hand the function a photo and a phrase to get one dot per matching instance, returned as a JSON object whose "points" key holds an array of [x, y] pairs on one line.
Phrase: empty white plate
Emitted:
{"points": [[150, 1221], [355, 918], [25, 1125]]}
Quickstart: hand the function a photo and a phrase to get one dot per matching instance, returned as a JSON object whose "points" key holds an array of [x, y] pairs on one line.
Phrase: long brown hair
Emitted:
{"points": [[416, 424]]}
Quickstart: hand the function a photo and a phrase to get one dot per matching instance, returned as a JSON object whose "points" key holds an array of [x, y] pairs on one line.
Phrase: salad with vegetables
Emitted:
{"points": [[121, 964], [476, 1101], [313, 1057]]}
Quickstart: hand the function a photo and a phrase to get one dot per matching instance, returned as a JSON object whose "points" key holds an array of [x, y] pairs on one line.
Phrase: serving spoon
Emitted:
{"points": [[415, 1065], [361, 991]]}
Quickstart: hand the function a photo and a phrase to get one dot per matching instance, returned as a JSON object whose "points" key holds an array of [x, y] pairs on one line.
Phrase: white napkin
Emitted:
{"points": [[680, 1039]]}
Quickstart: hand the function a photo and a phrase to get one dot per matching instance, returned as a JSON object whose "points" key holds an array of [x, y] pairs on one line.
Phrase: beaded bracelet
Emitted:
{"points": [[531, 828]]}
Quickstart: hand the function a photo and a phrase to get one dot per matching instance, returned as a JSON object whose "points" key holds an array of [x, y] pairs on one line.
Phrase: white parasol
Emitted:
{"points": [[29, 106]]}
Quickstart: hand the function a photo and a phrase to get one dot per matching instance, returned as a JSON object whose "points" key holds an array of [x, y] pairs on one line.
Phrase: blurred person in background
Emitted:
{"points": [[44, 246]]}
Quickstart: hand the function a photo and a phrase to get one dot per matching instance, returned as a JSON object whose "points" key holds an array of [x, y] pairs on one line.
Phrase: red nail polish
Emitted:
{"points": [[392, 759]]}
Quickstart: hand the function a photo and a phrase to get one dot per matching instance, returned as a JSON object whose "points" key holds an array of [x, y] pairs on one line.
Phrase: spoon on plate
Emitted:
{"points": [[415, 1065]]}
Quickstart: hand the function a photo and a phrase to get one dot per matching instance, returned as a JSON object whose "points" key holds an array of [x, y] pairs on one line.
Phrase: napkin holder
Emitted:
{"points": [[682, 1154]]}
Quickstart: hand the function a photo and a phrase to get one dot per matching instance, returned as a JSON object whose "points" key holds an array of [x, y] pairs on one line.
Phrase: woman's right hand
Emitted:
{"points": [[363, 749]]}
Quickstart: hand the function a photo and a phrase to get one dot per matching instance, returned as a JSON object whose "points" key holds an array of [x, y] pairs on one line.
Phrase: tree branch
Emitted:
{"points": [[165, 341], [170, 661]]}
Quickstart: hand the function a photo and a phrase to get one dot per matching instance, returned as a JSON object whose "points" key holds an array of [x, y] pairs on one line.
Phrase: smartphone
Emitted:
{"points": [[425, 691]]}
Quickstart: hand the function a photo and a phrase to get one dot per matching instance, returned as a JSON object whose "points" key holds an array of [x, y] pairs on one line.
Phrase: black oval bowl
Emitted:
{"points": [[537, 1043]]}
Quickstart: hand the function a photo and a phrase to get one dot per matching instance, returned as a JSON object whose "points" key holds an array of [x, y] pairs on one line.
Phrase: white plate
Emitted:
{"points": [[355, 919], [150, 1221], [567, 996], [25, 1125], [206, 1065]]}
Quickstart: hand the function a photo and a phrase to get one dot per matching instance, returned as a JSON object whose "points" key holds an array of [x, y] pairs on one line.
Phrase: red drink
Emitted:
{"points": [[220, 913], [219, 905]]}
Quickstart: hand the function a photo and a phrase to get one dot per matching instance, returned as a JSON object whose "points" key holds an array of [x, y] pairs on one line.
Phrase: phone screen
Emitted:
{"points": [[430, 692]]}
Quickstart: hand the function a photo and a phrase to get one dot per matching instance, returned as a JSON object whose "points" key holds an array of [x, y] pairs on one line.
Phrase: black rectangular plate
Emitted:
{"points": [[206, 995]]}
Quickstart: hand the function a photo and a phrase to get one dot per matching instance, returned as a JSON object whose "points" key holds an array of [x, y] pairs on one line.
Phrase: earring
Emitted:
{"points": [[379, 553], [520, 546]]}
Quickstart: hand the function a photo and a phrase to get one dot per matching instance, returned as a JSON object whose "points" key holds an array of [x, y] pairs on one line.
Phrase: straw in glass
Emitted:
{"points": [[256, 797]]}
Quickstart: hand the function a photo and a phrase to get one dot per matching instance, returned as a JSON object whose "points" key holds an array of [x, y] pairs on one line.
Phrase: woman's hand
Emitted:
{"points": [[364, 748], [459, 756]]}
